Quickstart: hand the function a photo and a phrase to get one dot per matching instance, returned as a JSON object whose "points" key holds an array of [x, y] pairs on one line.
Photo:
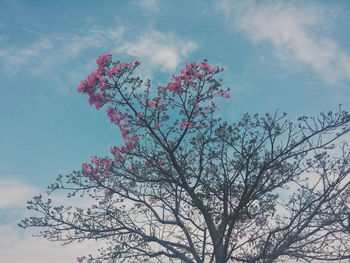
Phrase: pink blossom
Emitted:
{"points": [[227, 96], [134, 62], [95, 160], [118, 159], [224, 94], [134, 138], [114, 150], [139, 115], [87, 85], [124, 133], [151, 104], [80, 259], [205, 66], [130, 145], [117, 150], [158, 125], [103, 60], [106, 164], [114, 70], [86, 167], [200, 126], [176, 79], [97, 100], [188, 68], [186, 124], [175, 87]]}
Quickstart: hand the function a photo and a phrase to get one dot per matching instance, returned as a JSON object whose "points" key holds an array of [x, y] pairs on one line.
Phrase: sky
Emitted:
{"points": [[291, 56]]}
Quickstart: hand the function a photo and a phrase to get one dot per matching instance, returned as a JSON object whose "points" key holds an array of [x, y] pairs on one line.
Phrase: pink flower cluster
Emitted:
{"points": [[185, 124], [101, 168], [106, 164], [155, 102], [200, 126], [96, 83], [89, 86], [113, 71], [118, 152], [189, 73], [103, 61], [118, 119], [224, 94], [203, 65]]}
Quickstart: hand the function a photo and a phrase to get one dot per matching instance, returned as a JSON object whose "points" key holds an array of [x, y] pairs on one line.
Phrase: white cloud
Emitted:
{"points": [[159, 50], [295, 32], [49, 55], [16, 58], [17, 246], [74, 45], [152, 5], [45, 54], [15, 193]]}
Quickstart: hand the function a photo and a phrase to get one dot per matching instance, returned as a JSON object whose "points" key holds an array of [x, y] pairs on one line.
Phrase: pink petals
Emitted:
{"points": [[185, 124], [224, 94], [103, 60], [96, 83]]}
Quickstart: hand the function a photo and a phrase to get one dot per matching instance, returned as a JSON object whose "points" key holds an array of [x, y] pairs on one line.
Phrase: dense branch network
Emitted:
{"points": [[188, 187]]}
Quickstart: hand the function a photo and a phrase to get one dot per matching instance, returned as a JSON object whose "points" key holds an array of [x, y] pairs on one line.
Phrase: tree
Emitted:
{"points": [[187, 186]]}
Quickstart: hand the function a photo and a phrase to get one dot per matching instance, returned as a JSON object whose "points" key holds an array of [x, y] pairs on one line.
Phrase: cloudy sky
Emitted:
{"points": [[288, 55]]}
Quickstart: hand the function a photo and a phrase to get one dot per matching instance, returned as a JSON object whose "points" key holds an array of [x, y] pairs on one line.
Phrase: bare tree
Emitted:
{"points": [[188, 187]]}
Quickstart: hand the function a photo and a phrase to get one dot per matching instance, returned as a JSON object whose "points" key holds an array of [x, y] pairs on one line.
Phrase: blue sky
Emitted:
{"points": [[288, 55]]}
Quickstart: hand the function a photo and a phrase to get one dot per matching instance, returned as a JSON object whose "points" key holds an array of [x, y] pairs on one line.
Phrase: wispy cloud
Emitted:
{"points": [[152, 5], [37, 250], [14, 193], [158, 49], [47, 53], [296, 32], [22, 56], [55, 52]]}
